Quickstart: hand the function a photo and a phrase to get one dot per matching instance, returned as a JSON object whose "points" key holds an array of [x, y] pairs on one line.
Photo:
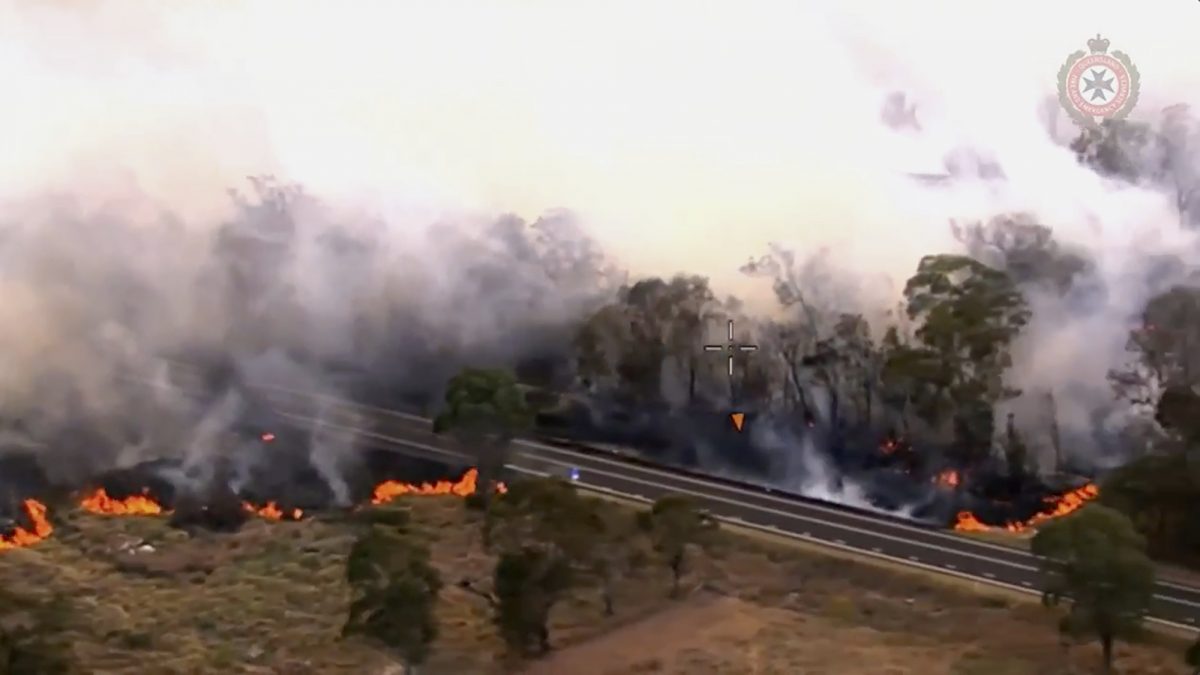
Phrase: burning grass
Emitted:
{"points": [[1056, 506], [39, 529], [271, 598]]}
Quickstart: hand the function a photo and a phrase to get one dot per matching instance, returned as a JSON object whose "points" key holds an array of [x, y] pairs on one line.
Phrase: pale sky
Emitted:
{"points": [[688, 134]]}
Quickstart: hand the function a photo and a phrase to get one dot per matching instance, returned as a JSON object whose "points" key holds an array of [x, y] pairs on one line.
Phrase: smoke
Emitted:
{"points": [[680, 137]]}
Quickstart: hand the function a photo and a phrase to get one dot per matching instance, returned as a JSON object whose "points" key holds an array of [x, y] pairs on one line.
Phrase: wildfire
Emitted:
{"points": [[100, 502], [1057, 505], [133, 505], [389, 490], [22, 537], [272, 511], [947, 479]]}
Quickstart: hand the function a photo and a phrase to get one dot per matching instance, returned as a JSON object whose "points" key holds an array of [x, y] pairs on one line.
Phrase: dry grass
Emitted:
{"points": [[271, 599]]}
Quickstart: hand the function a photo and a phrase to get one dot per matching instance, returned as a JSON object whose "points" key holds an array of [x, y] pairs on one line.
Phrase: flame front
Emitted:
{"points": [[133, 505], [41, 527], [272, 511], [100, 502], [1057, 505], [389, 490]]}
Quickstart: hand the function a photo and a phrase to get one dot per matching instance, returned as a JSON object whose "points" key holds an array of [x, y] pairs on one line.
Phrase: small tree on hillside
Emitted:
{"points": [[674, 522], [485, 409], [1096, 561], [395, 591], [549, 514], [528, 583]]}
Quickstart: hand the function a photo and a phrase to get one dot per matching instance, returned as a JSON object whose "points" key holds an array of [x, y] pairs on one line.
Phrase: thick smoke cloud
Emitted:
{"points": [[681, 138]]}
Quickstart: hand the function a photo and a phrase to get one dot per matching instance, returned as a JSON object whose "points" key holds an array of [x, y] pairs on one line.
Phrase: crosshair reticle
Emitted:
{"points": [[732, 348]]}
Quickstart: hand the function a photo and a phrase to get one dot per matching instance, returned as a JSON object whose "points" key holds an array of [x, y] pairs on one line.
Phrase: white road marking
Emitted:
{"points": [[763, 509], [951, 566], [989, 575], [717, 486]]}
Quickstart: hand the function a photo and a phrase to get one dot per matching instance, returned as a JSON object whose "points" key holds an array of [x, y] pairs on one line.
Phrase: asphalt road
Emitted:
{"points": [[862, 532]]}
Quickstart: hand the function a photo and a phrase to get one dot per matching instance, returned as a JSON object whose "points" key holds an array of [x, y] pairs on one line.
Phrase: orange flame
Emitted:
{"points": [[133, 505], [143, 504], [947, 479], [41, 527], [389, 490], [272, 511], [1057, 505]]}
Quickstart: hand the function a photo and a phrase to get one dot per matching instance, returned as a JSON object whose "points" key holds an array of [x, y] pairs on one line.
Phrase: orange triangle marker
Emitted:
{"points": [[738, 420]]}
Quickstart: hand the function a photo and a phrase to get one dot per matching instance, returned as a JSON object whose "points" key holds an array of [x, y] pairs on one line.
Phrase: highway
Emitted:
{"points": [[861, 532]]}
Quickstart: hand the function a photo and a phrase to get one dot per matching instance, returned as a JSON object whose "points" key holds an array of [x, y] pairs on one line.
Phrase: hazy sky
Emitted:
{"points": [[688, 134]]}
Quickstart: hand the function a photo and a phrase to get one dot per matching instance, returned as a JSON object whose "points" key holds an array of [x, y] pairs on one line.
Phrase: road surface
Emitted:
{"points": [[862, 532]]}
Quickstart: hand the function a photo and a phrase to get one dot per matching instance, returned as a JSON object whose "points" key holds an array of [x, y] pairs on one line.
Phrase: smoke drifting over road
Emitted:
{"points": [[680, 139]]}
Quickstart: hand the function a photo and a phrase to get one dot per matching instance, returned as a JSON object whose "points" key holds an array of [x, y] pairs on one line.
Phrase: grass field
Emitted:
{"points": [[271, 599]]}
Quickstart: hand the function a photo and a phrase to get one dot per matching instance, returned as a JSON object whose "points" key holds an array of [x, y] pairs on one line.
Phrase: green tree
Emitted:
{"points": [[652, 321], [1165, 348], [528, 584], [673, 523], [547, 513], [395, 592], [968, 314], [550, 515], [1160, 493], [485, 410], [1095, 560]]}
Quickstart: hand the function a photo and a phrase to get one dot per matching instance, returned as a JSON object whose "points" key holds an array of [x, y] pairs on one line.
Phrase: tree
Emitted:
{"points": [[485, 409], [969, 315], [395, 592], [809, 290], [1096, 560], [653, 321], [673, 523], [1016, 454], [1160, 494], [547, 513], [1121, 149], [1025, 249], [528, 583], [1165, 348], [550, 515]]}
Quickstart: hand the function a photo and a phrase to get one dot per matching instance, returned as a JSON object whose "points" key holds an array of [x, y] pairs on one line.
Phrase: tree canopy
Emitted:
{"points": [[1095, 561], [395, 591], [674, 522]]}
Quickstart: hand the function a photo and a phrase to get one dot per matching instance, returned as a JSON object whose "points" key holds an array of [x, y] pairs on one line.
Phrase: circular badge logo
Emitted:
{"points": [[1098, 86]]}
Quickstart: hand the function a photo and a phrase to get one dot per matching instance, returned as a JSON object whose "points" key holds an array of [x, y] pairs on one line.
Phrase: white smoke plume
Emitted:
{"points": [[682, 136]]}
